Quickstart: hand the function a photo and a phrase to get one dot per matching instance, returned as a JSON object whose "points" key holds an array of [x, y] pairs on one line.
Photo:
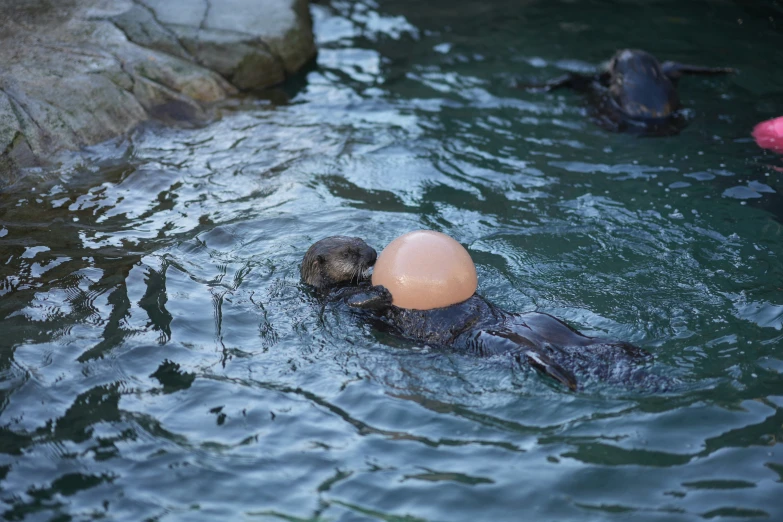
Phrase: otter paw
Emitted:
{"points": [[374, 298]]}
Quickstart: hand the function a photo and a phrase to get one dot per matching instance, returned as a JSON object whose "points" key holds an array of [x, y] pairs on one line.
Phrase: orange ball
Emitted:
{"points": [[425, 269]]}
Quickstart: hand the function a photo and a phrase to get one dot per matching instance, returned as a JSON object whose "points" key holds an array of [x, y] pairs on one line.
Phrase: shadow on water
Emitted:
{"points": [[160, 360]]}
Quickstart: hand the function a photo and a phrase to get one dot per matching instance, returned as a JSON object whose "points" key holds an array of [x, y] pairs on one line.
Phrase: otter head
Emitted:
{"points": [[639, 86], [337, 260]]}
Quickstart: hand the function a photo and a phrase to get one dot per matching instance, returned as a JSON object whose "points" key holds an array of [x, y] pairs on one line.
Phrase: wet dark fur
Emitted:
{"points": [[478, 327], [337, 261], [636, 93]]}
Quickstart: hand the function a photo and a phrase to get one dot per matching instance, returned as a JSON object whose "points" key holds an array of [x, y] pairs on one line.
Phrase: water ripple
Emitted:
{"points": [[163, 361]]}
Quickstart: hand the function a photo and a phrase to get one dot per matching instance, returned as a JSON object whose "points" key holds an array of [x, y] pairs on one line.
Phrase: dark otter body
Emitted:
{"points": [[477, 327], [636, 93]]}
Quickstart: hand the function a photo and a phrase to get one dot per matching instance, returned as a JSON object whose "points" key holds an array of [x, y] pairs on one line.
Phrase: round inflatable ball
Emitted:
{"points": [[425, 269]]}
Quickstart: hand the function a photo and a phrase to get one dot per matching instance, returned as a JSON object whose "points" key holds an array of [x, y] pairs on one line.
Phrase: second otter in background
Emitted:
{"points": [[635, 93]]}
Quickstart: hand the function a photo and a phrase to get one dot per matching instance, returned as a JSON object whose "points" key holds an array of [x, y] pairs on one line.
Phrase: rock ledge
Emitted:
{"points": [[78, 72]]}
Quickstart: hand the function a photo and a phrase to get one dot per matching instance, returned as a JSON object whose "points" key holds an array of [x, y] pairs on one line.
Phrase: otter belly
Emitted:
{"points": [[644, 106], [443, 326]]}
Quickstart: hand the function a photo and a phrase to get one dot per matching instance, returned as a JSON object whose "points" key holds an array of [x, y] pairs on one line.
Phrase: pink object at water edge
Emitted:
{"points": [[769, 134], [425, 269]]}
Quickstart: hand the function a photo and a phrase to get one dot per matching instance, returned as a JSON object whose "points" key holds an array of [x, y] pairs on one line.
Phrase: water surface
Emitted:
{"points": [[161, 361]]}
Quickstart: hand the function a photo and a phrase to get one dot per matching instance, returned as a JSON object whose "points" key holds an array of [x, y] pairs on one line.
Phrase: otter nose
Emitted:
{"points": [[371, 256]]}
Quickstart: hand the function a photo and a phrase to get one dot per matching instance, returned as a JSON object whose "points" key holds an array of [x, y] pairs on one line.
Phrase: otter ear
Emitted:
{"points": [[319, 260]]}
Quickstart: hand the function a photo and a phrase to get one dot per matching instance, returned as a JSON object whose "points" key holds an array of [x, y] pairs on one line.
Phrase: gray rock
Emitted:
{"points": [[141, 27], [78, 72]]}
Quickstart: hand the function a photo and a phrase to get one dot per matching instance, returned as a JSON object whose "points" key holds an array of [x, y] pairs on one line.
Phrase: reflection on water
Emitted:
{"points": [[161, 360]]}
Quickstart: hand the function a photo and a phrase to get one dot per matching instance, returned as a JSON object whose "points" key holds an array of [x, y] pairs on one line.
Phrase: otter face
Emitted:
{"points": [[337, 260], [640, 87]]}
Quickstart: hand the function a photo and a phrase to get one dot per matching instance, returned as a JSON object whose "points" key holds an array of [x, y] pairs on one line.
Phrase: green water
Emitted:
{"points": [[160, 360]]}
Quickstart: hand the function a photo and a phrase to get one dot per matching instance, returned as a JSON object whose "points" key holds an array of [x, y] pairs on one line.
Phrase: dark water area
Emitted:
{"points": [[160, 360]]}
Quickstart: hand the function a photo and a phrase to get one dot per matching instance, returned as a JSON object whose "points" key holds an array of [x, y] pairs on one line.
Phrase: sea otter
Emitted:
{"points": [[337, 268], [635, 93]]}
